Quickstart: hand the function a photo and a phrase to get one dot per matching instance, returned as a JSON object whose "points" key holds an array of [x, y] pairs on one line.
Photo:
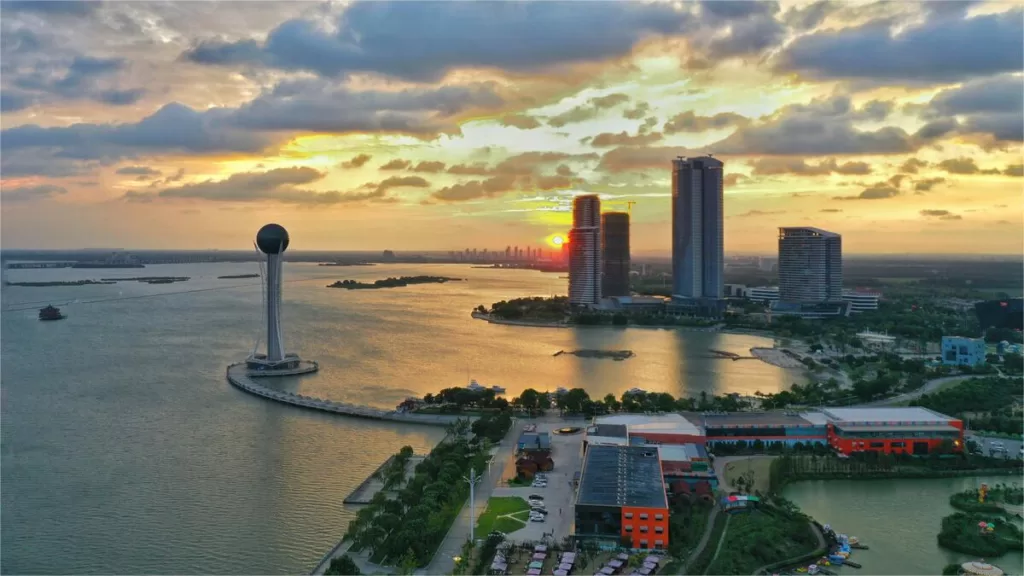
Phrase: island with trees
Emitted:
{"points": [[392, 282], [239, 276]]}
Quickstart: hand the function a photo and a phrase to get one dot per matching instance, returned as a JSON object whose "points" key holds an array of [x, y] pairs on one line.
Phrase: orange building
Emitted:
{"points": [[621, 497], [913, 430]]}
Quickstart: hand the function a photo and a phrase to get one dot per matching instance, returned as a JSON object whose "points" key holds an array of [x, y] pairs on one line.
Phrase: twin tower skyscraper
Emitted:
{"points": [[599, 244]]}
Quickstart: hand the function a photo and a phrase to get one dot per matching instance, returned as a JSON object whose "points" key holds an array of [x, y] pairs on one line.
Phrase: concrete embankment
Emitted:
{"points": [[238, 377]]}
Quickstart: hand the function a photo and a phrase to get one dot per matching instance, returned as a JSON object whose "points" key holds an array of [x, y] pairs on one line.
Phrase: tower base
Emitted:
{"points": [[257, 365]]}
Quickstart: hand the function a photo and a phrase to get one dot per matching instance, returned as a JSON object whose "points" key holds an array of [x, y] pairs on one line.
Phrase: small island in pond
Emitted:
{"points": [[346, 264], [146, 279], [392, 282], [233, 276], [617, 355], [150, 279]]}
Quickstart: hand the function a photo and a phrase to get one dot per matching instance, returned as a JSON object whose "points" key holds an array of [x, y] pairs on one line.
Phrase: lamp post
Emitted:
{"points": [[472, 479]]}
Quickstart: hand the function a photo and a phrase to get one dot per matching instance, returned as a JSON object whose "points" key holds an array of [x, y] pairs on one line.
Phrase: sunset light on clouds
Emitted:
{"points": [[444, 125]]}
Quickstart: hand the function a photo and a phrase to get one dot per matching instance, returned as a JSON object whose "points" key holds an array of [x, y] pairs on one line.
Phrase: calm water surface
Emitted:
{"points": [[898, 519], [124, 450]]}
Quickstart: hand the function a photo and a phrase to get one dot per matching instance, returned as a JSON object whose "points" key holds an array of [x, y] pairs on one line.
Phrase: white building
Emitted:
{"points": [[876, 341], [861, 301], [585, 251], [763, 293]]}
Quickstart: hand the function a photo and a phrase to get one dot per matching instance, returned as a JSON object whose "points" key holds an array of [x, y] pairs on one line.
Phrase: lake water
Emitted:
{"points": [[898, 520], [124, 449]]}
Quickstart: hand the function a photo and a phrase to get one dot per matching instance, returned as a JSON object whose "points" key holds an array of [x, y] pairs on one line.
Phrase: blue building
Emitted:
{"points": [[698, 248], [960, 351]]}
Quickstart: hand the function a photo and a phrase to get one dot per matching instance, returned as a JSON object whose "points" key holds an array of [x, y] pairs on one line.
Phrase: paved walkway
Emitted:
{"points": [[928, 387], [451, 546], [703, 540]]}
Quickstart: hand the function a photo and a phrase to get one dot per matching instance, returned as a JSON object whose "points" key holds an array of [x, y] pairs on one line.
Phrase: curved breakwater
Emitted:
{"points": [[238, 376]]}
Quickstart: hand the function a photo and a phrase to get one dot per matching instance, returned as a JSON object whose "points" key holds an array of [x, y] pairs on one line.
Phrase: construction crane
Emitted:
{"points": [[629, 206]]}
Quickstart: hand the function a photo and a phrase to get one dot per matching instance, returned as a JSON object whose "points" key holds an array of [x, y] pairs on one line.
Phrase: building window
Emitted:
{"points": [[878, 444], [643, 528], [658, 543], [643, 516], [643, 543], [659, 529], [629, 515], [659, 516], [629, 527], [897, 444]]}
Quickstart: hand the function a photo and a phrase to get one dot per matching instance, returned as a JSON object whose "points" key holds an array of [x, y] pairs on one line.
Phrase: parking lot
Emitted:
{"points": [[985, 443], [566, 451]]}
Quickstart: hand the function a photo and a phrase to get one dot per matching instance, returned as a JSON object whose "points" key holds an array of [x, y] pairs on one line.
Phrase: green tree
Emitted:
{"points": [[342, 565]]}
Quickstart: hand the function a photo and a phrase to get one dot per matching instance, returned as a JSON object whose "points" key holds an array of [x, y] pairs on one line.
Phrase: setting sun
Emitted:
{"points": [[556, 240]]}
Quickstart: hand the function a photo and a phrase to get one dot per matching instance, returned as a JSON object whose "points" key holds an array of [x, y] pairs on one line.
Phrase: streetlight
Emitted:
{"points": [[472, 479]]}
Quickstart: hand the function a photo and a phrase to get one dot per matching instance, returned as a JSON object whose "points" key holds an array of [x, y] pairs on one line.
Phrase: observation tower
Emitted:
{"points": [[272, 240]]}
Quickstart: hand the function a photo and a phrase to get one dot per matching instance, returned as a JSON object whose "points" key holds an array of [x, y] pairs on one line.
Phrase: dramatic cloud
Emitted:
{"points": [[1014, 170], [941, 49], [831, 210], [396, 164], [520, 172], [477, 189], [963, 166], [323, 106], [760, 213], [926, 184], [607, 139], [636, 112], [774, 166], [690, 122], [429, 167], [30, 193], [423, 41], [993, 106], [32, 76], [941, 214], [912, 165], [279, 185], [138, 171], [879, 191], [825, 127], [55, 7], [356, 161], [588, 111], [520, 121]]}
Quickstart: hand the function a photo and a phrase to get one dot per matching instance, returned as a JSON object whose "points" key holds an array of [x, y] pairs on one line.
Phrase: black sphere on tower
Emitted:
{"points": [[272, 239]]}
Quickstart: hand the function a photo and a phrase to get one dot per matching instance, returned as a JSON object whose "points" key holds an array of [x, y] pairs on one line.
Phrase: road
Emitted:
{"points": [[451, 546], [928, 387], [985, 442]]}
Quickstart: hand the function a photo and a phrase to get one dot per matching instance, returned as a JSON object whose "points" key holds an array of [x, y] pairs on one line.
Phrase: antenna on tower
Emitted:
{"points": [[629, 206]]}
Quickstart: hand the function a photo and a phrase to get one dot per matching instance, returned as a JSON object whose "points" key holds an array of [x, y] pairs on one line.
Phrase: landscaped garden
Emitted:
{"points": [[986, 535], [503, 514], [761, 537]]}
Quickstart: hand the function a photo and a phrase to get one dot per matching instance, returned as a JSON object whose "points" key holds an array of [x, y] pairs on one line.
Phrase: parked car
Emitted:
{"points": [[538, 511], [536, 517], [535, 497]]}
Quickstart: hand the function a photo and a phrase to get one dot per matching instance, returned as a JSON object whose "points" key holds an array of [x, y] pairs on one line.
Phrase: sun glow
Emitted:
{"points": [[556, 240]]}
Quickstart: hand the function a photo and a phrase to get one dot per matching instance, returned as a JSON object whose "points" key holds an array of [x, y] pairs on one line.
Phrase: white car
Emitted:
{"points": [[536, 517]]}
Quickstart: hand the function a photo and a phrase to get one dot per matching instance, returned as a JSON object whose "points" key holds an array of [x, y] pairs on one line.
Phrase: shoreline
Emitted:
{"points": [[776, 357], [537, 324]]}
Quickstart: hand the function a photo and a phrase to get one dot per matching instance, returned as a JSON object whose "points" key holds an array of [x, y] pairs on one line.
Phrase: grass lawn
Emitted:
{"points": [[504, 514], [760, 467]]}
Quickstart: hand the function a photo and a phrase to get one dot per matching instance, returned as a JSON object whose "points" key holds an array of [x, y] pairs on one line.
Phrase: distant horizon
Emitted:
{"points": [[1015, 256]]}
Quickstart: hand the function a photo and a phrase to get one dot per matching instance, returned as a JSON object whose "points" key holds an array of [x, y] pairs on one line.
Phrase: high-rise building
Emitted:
{"points": [[698, 250], [615, 254], [810, 265], [585, 251]]}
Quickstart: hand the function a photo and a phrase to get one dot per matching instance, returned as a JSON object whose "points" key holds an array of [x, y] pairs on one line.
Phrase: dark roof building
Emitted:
{"points": [[622, 476], [615, 254]]}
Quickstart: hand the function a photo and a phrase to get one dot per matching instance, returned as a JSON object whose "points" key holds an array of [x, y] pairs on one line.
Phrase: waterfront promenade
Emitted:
{"points": [[239, 378]]}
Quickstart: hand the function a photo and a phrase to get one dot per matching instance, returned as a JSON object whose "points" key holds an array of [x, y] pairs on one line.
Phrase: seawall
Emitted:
{"points": [[239, 377]]}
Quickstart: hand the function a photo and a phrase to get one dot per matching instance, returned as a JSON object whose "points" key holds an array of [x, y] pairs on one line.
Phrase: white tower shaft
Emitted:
{"points": [[275, 346]]}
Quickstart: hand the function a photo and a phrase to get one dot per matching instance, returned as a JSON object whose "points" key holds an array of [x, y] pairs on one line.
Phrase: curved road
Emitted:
{"points": [[927, 388]]}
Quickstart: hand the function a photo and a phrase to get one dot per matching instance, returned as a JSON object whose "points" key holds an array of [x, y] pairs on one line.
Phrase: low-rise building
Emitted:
{"points": [[653, 428], [533, 441], [861, 300], [914, 430], [960, 351], [687, 463], [634, 303], [763, 293], [876, 341], [766, 427], [622, 498]]}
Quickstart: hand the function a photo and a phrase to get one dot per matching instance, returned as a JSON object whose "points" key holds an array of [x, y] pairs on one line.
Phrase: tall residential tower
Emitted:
{"points": [[615, 254], [810, 265], [585, 251], [698, 250]]}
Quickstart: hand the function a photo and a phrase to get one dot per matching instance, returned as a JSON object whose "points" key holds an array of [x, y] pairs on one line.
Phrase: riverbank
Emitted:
{"points": [[776, 357], [392, 282], [491, 319]]}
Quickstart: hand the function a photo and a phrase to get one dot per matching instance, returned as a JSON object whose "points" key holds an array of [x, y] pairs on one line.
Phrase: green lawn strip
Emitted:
{"points": [[497, 515]]}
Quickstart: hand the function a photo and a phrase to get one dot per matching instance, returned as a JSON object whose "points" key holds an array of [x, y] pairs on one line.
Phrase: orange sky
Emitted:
{"points": [[189, 125]]}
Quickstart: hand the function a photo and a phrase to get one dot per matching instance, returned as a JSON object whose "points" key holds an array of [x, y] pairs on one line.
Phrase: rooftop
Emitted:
{"points": [[893, 416], [682, 452], [817, 231], [747, 419], [653, 423], [622, 476]]}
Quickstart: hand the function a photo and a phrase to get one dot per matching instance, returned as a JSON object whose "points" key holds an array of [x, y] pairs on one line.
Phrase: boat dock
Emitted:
{"points": [[238, 376]]}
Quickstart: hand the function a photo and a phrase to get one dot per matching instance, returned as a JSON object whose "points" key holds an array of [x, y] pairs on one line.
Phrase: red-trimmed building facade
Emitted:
{"points": [[917, 431]]}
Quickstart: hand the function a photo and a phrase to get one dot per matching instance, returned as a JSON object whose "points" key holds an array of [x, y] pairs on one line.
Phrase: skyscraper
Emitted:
{"points": [[810, 265], [615, 254], [698, 250], [585, 251]]}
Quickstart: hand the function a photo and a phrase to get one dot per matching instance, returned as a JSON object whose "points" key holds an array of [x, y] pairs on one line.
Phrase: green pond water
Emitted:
{"points": [[897, 519]]}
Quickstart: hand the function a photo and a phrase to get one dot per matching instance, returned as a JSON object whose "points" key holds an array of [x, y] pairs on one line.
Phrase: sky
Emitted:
{"points": [[453, 125]]}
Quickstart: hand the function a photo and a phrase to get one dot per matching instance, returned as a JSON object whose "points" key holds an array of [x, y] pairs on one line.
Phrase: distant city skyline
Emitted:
{"points": [[185, 125]]}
